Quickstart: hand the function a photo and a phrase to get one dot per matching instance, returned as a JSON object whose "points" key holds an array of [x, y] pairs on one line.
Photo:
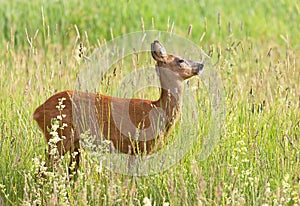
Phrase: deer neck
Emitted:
{"points": [[171, 92]]}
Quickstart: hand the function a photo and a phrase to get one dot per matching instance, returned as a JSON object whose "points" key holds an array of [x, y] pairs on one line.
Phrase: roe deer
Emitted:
{"points": [[172, 70]]}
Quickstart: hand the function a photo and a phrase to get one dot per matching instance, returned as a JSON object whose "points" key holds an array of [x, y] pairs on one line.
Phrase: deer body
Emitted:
{"points": [[172, 70]]}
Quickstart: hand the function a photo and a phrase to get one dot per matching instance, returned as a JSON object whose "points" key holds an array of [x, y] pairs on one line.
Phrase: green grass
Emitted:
{"points": [[255, 45]]}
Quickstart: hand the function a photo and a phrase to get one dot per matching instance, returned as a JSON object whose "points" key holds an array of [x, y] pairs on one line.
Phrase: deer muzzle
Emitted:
{"points": [[200, 68], [197, 68]]}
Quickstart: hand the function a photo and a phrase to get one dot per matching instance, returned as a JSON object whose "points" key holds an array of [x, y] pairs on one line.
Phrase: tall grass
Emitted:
{"points": [[255, 46]]}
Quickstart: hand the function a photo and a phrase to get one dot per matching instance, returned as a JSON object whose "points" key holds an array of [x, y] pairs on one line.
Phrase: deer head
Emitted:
{"points": [[179, 66]]}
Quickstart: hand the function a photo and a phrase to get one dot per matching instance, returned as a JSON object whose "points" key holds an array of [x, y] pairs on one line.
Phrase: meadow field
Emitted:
{"points": [[255, 47]]}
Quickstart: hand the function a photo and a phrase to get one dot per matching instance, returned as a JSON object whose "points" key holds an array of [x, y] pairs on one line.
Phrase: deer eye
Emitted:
{"points": [[181, 61]]}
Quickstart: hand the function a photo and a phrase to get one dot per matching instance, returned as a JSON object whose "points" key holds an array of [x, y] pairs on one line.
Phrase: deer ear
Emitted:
{"points": [[158, 51]]}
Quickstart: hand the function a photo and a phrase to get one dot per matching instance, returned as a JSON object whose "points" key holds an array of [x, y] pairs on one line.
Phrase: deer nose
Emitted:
{"points": [[199, 68]]}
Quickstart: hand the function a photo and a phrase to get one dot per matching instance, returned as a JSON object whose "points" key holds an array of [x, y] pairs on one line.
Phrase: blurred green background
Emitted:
{"points": [[261, 20]]}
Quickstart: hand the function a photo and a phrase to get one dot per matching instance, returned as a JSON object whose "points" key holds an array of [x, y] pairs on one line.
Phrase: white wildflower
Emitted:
{"points": [[146, 201], [54, 126], [55, 139], [59, 117], [54, 133]]}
